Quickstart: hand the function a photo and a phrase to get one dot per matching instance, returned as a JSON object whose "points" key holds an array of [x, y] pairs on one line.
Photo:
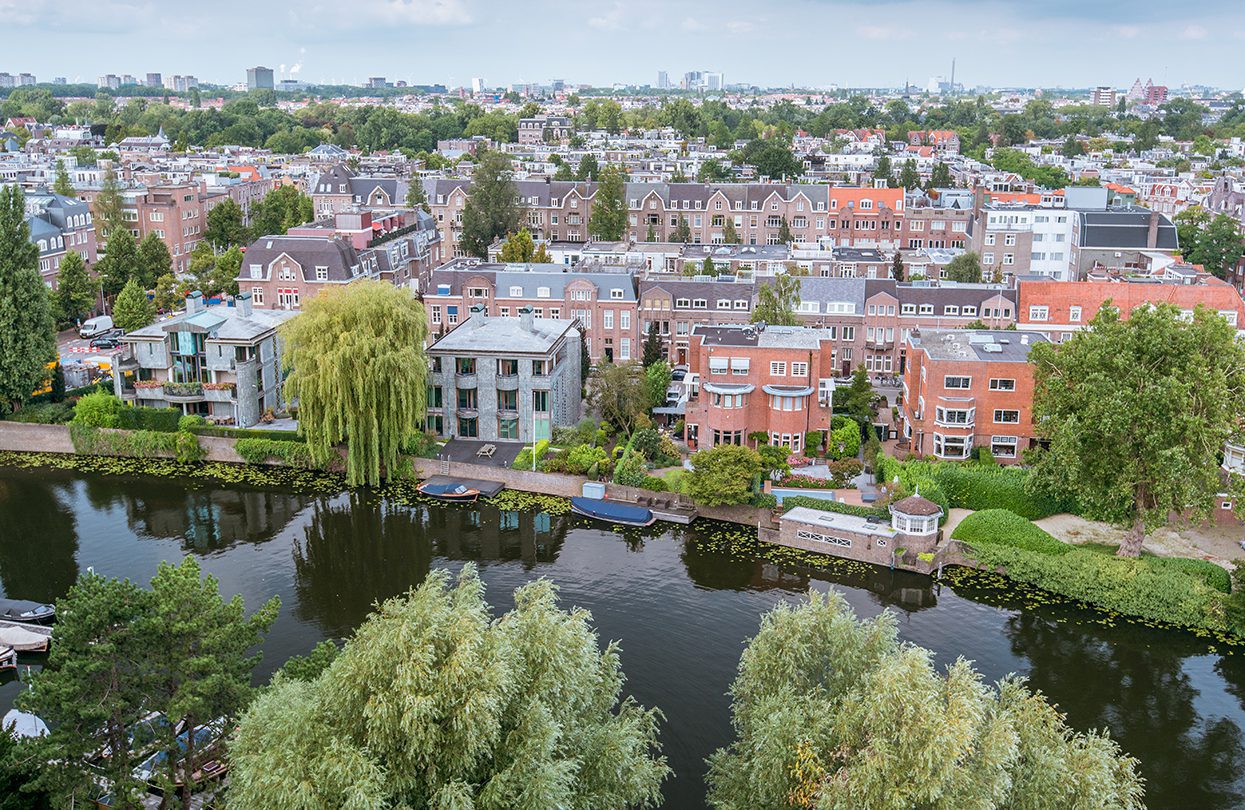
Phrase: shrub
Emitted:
{"points": [[163, 420], [523, 461], [630, 471], [258, 451], [98, 409], [1213, 575], [654, 483], [647, 441], [1004, 528], [247, 433], [191, 421], [844, 441], [764, 500], [44, 413], [181, 445], [422, 444], [581, 457], [812, 441]]}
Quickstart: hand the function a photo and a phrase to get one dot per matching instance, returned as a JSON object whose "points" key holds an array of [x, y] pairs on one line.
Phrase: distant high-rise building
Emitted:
{"points": [[712, 81], [663, 80], [377, 82], [179, 83], [60, 80], [477, 85], [26, 80], [692, 80], [1102, 97], [1156, 94], [127, 79], [8, 80], [558, 85], [153, 80], [109, 81], [259, 78]]}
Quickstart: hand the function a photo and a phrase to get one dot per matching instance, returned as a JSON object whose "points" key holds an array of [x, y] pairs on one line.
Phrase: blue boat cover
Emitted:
{"points": [[612, 510], [444, 489]]}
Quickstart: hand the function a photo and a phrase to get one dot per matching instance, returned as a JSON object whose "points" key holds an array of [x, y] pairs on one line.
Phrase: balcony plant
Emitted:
{"points": [[183, 388], [148, 384], [219, 386]]}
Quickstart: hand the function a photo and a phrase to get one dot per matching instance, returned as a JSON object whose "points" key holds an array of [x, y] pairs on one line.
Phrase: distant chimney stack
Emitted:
{"points": [[478, 316], [525, 319], [194, 302], [243, 305], [1152, 235]]}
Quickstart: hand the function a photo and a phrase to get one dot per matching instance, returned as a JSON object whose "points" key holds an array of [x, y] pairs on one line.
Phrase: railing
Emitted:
{"points": [[183, 391]]}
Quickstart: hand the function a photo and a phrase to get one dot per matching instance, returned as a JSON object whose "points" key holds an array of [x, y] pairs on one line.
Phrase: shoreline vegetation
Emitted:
{"points": [[989, 586]]}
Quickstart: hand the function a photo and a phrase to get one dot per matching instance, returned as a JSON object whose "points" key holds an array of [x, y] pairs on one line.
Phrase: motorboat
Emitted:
{"points": [[26, 612], [457, 493], [612, 511], [25, 637]]}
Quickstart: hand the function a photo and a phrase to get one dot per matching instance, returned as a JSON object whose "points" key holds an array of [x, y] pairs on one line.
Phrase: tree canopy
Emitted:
{"points": [[1211, 241], [280, 209], [964, 268], [433, 703], [722, 475], [225, 225], [1136, 412], [834, 712], [358, 374], [75, 290], [493, 209], [132, 309], [27, 325], [520, 247], [608, 221], [619, 393], [777, 302]]}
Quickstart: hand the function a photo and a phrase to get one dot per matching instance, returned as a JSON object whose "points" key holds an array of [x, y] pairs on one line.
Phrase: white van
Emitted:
{"points": [[93, 327]]}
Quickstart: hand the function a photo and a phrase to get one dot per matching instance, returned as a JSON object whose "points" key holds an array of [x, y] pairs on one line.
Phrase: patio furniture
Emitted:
{"points": [[486, 451]]}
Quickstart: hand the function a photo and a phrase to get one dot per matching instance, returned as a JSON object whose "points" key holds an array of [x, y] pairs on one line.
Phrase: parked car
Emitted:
{"points": [[94, 327], [106, 342]]}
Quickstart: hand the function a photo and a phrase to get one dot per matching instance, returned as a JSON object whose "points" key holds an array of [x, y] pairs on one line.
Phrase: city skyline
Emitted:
{"points": [[601, 43]]}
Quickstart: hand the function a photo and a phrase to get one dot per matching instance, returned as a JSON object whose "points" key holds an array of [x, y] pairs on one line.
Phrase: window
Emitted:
{"points": [[624, 352], [542, 292], [287, 298], [436, 314], [987, 258], [624, 319], [465, 365], [607, 319], [700, 303], [1006, 417], [778, 368], [507, 367], [961, 383], [322, 273], [1002, 384], [467, 427], [1003, 446], [682, 303], [616, 293], [954, 416], [952, 446], [1038, 313], [729, 401], [507, 427], [799, 369], [1074, 314], [516, 292], [257, 271], [540, 401]]}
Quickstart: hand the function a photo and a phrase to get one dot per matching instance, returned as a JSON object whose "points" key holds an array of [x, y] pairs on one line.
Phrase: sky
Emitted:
{"points": [[812, 43]]}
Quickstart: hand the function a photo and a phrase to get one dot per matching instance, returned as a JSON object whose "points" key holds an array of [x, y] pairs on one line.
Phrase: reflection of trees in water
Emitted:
{"points": [[358, 550], [1132, 681], [207, 519], [713, 569], [40, 538]]}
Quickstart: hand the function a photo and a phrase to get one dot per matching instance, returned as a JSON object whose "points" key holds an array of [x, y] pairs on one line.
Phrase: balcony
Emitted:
{"points": [[219, 392], [148, 389], [466, 380], [542, 383], [880, 345], [508, 382], [184, 392]]}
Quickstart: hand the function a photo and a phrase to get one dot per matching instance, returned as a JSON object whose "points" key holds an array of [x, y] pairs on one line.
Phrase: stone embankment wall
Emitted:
{"points": [[29, 438]]}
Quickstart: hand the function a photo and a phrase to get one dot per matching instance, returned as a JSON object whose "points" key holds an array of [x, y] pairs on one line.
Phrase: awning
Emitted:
{"points": [[728, 388], [787, 390]]}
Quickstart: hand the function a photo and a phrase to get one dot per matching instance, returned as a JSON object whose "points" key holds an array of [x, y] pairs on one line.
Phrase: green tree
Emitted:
{"points": [[940, 177], [619, 393], [657, 379], [493, 209], [1072, 147], [433, 703], [63, 185], [729, 235], [109, 208], [153, 260], [132, 309], [609, 206], [898, 271], [75, 291], [225, 226], [883, 170], [713, 171], [120, 263], [651, 234], [416, 196], [784, 233], [169, 294], [519, 247], [18, 775], [964, 268], [682, 232], [1213, 242], [1136, 412], [652, 345], [723, 475], [909, 177], [777, 302], [827, 709], [201, 668], [225, 272], [856, 401], [27, 324], [541, 255], [280, 209], [707, 267], [358, 374], [588, 168]]}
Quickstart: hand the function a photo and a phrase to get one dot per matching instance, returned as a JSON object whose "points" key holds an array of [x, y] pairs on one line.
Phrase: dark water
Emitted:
{"points": [[681, 609]]}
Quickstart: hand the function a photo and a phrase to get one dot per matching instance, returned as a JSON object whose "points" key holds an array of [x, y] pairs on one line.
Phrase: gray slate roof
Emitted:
{"points": [[506, 335]]}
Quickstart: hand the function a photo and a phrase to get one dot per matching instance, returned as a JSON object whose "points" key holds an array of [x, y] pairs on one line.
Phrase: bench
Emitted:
{"points": [[486, 451]]}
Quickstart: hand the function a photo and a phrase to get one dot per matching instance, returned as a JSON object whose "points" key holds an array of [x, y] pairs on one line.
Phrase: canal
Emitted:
{"points": [[682, 602]]}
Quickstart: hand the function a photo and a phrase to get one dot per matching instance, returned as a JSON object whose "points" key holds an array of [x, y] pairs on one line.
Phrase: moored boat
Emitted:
{"points": [[25, 637], [8, 658], [26, 612], [458, 493], [612, 511]]}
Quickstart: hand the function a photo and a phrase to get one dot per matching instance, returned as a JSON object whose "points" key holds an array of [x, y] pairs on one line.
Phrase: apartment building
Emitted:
{"points": [[544, 129], [505, 378], [1119, 238], [175, 214], [846, 217], [222, 362], [969, 388], [777, 380], [603, 304], [678, 305], [936, 223], [340, 187], [58, 225], [1058, 310], [1018, 239]]}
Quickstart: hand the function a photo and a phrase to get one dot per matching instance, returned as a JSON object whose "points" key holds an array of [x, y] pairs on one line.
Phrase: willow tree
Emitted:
{"points": [[834, 712], [358, 374], [433, 703]]}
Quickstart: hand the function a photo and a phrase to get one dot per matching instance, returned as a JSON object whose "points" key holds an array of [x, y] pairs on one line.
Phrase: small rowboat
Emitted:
{"points": [[612, 511], [8, 658], [458, 493], [26, 612], [25, 637]]}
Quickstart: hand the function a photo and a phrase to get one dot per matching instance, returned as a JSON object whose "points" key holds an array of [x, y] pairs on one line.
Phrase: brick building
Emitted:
{"points": [[969, 388], [777, 380], [340, 187], [678, 305], [59, 224]]}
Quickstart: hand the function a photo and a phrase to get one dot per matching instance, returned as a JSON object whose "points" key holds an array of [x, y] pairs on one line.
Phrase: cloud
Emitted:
{"points": [[1193, 32], [882, 33], [1126, 31], [741, 26], [609, 21], [402, 12], [692, 24]]}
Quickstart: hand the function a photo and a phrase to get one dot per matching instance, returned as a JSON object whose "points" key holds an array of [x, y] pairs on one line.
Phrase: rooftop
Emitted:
{"points": [[509, 335], [221, 322], [835, 520], [983, 345]]}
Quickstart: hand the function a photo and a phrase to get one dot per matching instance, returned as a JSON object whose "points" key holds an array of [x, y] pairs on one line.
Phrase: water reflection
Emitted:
{"points": [[207, 519], [356, 550], [1136, 682], [37, 557]]}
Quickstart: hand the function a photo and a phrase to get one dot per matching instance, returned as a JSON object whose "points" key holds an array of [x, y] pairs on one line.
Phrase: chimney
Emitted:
{"points": [[478, 316], [243, 304], [194, 302], [1024, 340], [525, 319], [1152, 235]]}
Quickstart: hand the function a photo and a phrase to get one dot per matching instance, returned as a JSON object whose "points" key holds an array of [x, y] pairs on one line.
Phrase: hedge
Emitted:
{"points": [[792, 501], [248, 433], [1213, 575], [523, 461], [972, 486], [181, 445], [163, 420], [1001, 527], [258, 451]]}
